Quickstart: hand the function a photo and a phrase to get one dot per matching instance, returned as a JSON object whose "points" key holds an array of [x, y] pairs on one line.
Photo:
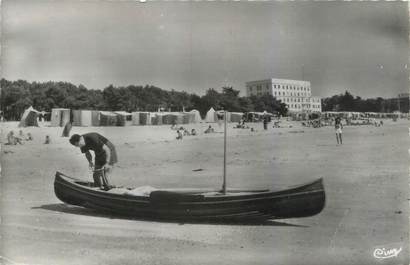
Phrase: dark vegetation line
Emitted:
{"points": [[16, 96]]}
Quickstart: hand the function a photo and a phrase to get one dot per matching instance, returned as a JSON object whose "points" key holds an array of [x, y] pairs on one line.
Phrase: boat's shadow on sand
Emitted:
{"points": [[65, 208]]}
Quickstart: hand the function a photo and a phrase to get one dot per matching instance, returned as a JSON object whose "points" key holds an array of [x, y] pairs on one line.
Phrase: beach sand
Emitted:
{"points": [[366, 183]]}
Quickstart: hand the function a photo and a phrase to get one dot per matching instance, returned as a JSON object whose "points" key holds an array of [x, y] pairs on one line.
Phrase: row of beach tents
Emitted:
{"points": [[358, 115], [61, 116]]}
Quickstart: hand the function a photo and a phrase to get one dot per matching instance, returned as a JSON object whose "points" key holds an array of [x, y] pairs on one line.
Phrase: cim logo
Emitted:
{"points": [[386, 253]]}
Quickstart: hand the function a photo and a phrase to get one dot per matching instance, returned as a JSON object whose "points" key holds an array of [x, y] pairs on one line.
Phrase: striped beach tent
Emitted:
{"points": [[29, 118]]}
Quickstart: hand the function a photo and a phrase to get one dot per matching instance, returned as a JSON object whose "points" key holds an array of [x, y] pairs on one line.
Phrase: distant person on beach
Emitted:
{"points": [[48, 140], [209, 130], [338, 128], [105, 156], [12, 140], [21, 135], [174, 126], [68, 126], [241, 124], [186, 132], [29, 137], [179, 135], [220, 118], [265, 122], [193, 132]]}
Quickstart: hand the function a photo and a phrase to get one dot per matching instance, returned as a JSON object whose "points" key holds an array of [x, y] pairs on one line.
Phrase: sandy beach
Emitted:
{"points": [[366, 183]]}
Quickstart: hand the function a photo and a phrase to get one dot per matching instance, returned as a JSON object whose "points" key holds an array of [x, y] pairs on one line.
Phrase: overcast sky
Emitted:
{"points": [[192, 46]]}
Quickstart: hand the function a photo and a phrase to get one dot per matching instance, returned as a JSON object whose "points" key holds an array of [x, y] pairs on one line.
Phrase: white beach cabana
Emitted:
{"points": [[86, 118], [210, 115]]}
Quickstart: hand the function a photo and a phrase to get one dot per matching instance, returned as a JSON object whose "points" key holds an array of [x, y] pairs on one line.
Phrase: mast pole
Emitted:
{"points": [[224, 182]]}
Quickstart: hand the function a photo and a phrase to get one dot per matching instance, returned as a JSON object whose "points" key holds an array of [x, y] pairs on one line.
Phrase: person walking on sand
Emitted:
{"points": [[265, 122], [105, 156], [338, 128]]}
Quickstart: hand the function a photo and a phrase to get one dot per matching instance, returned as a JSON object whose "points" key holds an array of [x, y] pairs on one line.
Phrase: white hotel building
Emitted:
{"points": [[297, 95]]}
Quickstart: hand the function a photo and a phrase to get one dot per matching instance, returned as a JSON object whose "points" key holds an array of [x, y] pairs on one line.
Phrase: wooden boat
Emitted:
{"points": [[183, 204]]}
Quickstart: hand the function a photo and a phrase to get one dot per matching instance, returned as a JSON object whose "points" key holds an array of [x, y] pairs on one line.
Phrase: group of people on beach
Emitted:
{"points": [[13, 139], [181, 131], [18, 139]]}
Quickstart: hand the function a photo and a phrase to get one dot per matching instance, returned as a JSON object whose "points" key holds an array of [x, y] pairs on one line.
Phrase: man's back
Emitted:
{"points": [[94, 141]]}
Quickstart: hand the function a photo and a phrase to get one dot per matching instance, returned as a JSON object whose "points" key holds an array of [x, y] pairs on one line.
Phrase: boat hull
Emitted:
{"points": [[301, 201]]}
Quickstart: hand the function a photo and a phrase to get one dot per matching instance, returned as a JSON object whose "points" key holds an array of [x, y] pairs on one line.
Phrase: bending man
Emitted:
{"points": [[105, 155]]}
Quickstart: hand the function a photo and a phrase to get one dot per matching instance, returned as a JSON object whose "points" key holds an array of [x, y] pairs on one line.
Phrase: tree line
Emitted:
{"points": [[16, 96], [348, 102]]}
